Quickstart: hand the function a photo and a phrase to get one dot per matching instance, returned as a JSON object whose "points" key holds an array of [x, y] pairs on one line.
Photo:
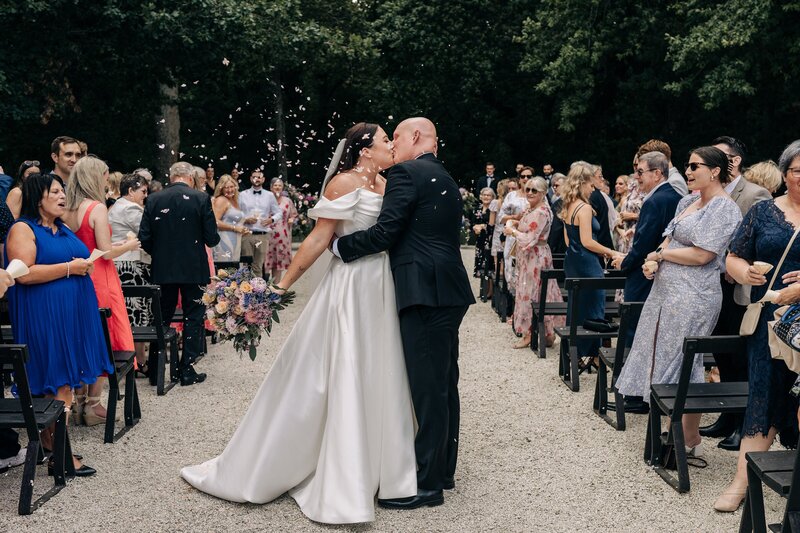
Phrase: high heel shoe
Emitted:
{"points": [[77, 410], [83, 471], [730, 500], [90, 418]]}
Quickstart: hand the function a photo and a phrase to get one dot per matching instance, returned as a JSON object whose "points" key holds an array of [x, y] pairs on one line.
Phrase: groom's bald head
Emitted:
{"points": [[412, 137]]}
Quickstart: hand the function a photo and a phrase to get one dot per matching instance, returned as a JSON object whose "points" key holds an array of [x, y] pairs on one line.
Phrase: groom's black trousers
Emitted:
{"points": [[430, 344]]}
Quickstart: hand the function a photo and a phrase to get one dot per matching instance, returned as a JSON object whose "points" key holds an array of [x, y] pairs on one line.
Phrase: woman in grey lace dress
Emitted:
{"points": [[686, 295]]}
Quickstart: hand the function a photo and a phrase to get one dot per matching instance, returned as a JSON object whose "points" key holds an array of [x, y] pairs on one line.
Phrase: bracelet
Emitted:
{"points": [[67, 270], [660, 256]]}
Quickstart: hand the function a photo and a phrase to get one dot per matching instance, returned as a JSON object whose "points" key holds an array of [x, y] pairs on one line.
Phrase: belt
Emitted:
{"points": [[261, 232]]}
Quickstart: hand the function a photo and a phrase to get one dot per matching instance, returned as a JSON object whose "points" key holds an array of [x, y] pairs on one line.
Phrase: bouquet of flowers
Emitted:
{"points": [[240, 306]]}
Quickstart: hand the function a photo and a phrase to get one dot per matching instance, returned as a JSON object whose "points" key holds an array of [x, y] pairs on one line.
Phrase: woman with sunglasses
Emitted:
{"points": [[14, 198], [763, 236], [686, 296], [533, 255]]}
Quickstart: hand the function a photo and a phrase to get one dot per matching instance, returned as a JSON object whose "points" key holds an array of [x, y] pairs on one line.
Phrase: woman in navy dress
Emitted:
{"points": [[53, 308], [581, 260], [763, 236]]}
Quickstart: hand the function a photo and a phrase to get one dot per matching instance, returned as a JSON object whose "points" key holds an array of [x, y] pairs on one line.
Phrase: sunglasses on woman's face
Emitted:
{"points": [[695, 166], [29, 164]]}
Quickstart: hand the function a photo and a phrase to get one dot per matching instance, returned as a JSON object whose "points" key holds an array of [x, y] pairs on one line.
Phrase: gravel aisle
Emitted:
{"points": [[534, 457]]}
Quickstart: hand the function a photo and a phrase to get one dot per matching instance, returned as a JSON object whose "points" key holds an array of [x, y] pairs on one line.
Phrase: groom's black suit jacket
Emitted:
{"points": [[420, 225]]}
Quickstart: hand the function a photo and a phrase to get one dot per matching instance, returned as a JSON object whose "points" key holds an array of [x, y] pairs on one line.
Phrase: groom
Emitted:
{"points": [[420, 224]]}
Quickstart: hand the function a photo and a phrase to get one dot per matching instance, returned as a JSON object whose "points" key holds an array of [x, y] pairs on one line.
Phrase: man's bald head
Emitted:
{"points": [[412, 137]]}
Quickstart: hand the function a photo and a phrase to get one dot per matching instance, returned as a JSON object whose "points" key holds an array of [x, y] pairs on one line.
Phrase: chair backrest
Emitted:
{"points": [[628, 314], [152, 293], [547, 275], [105, 314], [693, 346], [575, 285], [13, 357]]}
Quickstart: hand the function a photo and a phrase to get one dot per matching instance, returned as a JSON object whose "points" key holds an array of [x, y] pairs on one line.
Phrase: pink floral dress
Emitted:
{"points": [[279, 253], [533, 256]]}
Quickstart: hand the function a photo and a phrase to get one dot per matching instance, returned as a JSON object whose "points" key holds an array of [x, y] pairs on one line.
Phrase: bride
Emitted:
{"points": [[333, 422]]}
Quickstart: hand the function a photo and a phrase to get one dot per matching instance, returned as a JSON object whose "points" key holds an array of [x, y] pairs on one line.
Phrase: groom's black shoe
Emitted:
{"points": [[190, 377], [429, 498]]}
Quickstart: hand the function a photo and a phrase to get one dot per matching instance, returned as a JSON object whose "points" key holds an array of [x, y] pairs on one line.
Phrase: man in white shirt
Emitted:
{"points": [[262, 211]]}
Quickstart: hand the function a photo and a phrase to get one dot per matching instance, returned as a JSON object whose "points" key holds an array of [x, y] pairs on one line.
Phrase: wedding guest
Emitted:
{"points": [[279, 254], [584, 252], [514, 206], [556, 238], [482, 229], [176, 241], [59, 270], [675, 178], [498, 239], [144, 174], [230, 220], [533, 255], [154, 187], [211, 183], [262, 212], [765, 174], [133, 266], [620, 190], [763, 236], [600, 206], [733, 366], [87, 214], [65, 152], [685, 297], [487, 180], [112, 189], [14, 198], [628, 210]]}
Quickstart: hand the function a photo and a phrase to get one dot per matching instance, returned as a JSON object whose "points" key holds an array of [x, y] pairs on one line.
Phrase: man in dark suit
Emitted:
{"points": [[657, 211], [488, 180], [420, 224], [177, 225]]}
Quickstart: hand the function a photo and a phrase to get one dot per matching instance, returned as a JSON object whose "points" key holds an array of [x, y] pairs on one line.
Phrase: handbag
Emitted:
{"points": [[783, 335], [753, 313], [599, 325]]}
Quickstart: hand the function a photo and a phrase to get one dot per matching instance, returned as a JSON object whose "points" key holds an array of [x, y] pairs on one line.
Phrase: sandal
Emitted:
{"points": [[522, 344]]}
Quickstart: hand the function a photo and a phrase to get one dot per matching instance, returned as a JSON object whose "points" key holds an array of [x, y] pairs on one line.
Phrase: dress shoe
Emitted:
{"points": [[449, 484], [429, 498], [732, 441], [721, 428], [83, 471], [190, 377], [636, 405], [730, 500]]}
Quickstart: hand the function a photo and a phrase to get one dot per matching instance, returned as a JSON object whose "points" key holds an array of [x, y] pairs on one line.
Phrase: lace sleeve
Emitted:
{"points": [[743, 243]]}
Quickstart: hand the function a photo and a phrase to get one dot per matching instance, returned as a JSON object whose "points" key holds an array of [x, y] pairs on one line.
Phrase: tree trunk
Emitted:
{"points": [[168, 131], [280, 128]]}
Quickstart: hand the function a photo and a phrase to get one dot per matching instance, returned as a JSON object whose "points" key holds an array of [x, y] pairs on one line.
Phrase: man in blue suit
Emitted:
{"points": [[658, 209]]}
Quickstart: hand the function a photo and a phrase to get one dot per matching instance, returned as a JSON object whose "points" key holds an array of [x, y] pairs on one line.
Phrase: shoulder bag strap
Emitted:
{"points": [[785, 253]]}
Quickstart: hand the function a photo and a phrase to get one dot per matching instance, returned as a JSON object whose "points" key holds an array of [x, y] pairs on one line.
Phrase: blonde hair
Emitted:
{"points": [[570, 189], [766, 173], [86, 181], [112, 187], [502, 190], [224, 180]]}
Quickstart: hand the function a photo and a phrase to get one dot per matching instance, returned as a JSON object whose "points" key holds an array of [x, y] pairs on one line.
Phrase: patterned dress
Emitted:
{"points": [[631, 203], [483, 242], [279, 253], [763, 236], [533, 256], [685, 300]]}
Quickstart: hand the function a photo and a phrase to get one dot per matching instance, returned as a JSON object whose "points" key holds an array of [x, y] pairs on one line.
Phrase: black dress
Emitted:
{"points": [[483, 242]]}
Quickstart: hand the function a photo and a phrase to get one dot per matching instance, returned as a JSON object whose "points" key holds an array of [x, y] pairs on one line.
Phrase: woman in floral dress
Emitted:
{"points": [[279, 254], [533, 255], [483, 234]]}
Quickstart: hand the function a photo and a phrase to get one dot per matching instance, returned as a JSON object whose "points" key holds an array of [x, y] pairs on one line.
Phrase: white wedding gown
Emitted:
{"points": [[333, 422]]}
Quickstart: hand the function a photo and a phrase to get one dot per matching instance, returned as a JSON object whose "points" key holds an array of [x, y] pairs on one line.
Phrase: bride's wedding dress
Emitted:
{"points": [[332, 423]]}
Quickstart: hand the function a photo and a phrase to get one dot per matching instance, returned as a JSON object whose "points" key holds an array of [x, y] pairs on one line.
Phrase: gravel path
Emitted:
{"points": [[534, 457]]}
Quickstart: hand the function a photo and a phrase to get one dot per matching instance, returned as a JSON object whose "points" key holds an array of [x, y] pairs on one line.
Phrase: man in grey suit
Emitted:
{"points": [[733, 367]]}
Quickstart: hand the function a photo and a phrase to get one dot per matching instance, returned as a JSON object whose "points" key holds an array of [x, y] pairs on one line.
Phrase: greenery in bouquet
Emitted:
{"points": [[240, 307], [303, 201]]}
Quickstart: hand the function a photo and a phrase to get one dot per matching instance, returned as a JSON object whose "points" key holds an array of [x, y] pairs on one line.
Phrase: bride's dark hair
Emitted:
{"points": [[358, 137]]}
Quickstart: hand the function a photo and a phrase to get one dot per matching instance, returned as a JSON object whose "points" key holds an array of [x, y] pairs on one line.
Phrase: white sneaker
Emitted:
{"points": [[10, 462]]}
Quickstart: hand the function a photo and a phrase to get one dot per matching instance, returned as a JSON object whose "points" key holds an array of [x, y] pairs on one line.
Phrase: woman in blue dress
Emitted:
{"points": [[53, 308], [581, 260], [763, 236]]}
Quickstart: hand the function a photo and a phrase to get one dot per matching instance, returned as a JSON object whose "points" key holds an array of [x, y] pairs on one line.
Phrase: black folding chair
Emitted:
{"points": [[780, 471], [34, 415], [543, 308], [124, 368]]}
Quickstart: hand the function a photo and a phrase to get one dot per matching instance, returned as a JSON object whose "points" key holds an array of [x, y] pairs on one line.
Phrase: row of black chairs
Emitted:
{"points": [[665, 452]]}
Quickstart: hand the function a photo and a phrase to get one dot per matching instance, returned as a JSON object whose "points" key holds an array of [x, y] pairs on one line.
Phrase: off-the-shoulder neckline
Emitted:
{"points": [[351, 192]]}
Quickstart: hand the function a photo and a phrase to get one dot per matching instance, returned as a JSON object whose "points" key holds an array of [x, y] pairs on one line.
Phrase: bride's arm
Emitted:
{"points": [[312, 247]]}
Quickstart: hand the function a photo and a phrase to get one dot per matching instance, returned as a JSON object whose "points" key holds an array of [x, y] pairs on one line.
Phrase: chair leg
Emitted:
{"points": [[652, 443], [574, 373], [153, 362], [160, 369], [753, 516], [28, 475], [680, 456], [111, 409], [600, 390], [60, 450], [619, 408]]}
